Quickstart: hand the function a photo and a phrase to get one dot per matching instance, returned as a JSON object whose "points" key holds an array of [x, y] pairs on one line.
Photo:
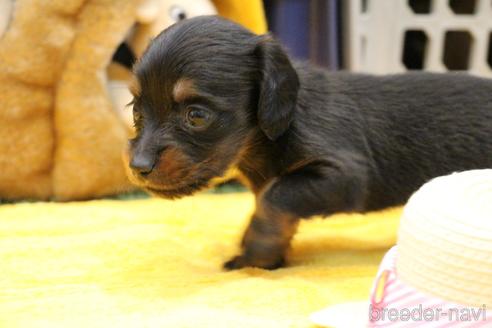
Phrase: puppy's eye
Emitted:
{"points": [[198, 117], [177, 13]]}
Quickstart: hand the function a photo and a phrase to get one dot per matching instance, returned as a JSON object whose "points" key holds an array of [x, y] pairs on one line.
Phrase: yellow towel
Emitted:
{"points": [[157, 263]]}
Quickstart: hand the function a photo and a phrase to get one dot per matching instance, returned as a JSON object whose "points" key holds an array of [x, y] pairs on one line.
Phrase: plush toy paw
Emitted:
{"points": [[241, 261]]}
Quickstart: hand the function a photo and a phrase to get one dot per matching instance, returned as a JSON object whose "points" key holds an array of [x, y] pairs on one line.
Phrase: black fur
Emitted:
{"points": [[309, 142]]}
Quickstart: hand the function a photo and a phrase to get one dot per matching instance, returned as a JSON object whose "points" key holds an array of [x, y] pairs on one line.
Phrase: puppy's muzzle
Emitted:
{"points": [[142, 165], [143, 162]]}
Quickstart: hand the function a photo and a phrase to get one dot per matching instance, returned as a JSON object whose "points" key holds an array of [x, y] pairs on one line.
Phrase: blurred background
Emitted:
{"points": [[382, 36]]}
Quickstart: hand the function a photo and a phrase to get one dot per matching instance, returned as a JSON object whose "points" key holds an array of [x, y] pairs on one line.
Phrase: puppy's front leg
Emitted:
{"points": [[266, 239], [285, 200]]}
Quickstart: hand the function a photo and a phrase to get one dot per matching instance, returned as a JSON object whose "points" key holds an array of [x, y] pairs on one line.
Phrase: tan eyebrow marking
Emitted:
{"points": [[183, 89], [134, 86]]}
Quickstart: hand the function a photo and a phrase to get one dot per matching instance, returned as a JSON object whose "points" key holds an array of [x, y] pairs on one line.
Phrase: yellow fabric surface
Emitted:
{"points": [[157, 263]]}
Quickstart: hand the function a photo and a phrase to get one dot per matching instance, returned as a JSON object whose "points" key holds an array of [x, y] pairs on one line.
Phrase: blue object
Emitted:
{"points": [[308, 29]]}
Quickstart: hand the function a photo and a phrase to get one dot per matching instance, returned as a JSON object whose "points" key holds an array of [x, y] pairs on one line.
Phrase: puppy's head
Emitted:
{"points": [[202, 89]]}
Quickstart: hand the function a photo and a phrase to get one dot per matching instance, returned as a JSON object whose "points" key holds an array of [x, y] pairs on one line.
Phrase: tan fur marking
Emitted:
{"points": [[183, 89], [173, 164]]}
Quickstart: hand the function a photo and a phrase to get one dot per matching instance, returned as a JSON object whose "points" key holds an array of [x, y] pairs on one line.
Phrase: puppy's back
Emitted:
{"points": [[411, 127], [420, 126]]}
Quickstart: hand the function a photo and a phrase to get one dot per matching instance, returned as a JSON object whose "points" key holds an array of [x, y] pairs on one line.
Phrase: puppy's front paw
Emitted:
{"points": [[237, 262], [240, 261]]}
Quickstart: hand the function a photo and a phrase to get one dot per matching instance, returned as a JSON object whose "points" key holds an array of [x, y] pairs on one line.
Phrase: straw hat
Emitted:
{"points": [[440, 271]]}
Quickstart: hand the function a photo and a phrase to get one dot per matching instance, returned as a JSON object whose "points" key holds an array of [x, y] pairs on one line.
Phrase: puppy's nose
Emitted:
{"points": [[143, 165]]}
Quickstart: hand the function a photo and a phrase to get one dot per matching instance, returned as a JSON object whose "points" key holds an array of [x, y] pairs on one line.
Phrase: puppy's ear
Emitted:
{"points": [[278, 88]]}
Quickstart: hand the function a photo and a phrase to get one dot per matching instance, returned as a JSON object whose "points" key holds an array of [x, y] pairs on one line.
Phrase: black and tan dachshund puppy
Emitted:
{"points": [[209, 95]]}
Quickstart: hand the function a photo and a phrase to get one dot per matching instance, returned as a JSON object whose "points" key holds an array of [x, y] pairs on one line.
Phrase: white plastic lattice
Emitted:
{"points": [[388, 36]]}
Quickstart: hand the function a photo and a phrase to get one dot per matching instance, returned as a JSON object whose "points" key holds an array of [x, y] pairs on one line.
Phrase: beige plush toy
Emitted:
{"points": [[62, 131], [59, 135]]}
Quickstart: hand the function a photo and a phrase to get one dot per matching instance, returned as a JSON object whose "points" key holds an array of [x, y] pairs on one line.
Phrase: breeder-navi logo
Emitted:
{"points": [[420, 313]]}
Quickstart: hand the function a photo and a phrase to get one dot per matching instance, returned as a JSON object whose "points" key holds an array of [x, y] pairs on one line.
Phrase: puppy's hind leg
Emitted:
{"points": [[284, 201]]}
